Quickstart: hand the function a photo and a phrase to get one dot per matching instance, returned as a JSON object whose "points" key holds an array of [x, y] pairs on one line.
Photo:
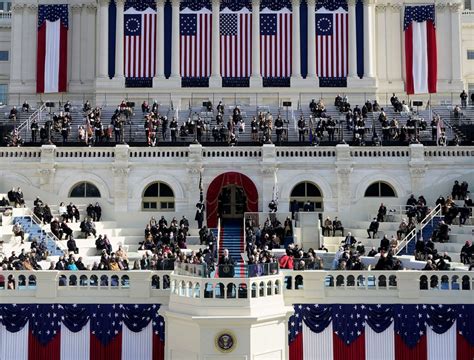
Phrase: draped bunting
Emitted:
{"points": [[95, 331], [215, 188], [234, 5], [376, 331]]}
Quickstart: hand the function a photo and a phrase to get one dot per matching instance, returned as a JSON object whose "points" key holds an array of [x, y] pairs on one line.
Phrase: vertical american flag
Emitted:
{"points": [[196, 42], [140, 42], [331, 43], [236, 42], [276, 42]]}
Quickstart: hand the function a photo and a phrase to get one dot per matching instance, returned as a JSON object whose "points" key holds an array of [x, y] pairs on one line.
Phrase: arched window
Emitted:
{"points": [[84, 189], [380, 189], [158, 196], [307, 191]]}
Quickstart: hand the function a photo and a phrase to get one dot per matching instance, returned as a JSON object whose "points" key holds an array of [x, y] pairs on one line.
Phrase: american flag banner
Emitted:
{"points": [[421, 60], [140, 42], [236, 39], [276, 24], [381, 331], [332, 43], [81, 331], [195, 26], [51, 60]]}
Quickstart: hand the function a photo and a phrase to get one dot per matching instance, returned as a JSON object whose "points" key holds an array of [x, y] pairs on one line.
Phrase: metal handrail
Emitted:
{"points": [[34, 115], [412, 234], [38, 222], [218, 236]]}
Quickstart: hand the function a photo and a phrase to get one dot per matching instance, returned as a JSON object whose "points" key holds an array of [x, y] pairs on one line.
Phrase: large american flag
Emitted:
{"points": [[236, 42], [275, 41], [140, 42], [381, 331], [331, 43], [196, 42], [51, 57]]}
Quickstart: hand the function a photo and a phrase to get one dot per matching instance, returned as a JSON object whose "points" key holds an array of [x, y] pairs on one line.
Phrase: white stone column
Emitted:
{"points": [[369, 18], [28, 43], [76, 44], [256, 78], [160, 45], [352, 40], [456, 73], [311, 76], [175, 41], [215, 79], [16, 43], [89, 55], [119, 36], [103, 38], [296, 64]]}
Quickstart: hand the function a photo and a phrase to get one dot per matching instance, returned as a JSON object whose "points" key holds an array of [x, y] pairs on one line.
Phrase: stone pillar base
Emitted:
{"points": [[160, 82], [298, 82], [215, 81], [256, 81]]}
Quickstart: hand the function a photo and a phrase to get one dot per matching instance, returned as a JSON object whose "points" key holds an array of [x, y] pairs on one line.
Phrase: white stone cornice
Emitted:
{"points": [[76, 7], [17, 7], [89, 7], [455, 7]]}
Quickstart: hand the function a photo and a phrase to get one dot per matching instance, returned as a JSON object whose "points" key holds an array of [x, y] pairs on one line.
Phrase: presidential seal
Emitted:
{"points": [[225, 341]]}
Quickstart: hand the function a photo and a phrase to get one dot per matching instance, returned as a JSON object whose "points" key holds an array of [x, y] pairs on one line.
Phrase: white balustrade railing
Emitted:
{"points": [[327, 154], [295, 286], [374, 286]]}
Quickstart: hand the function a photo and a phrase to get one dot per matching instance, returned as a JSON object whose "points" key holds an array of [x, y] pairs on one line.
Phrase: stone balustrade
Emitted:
{"points": [[290, 286], [401, 153]]}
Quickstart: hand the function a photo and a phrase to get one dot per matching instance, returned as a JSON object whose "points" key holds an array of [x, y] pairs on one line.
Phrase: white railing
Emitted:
{"points": [[295, 286], [376, 286], [37, 115], [411, 236], [218, 245]]}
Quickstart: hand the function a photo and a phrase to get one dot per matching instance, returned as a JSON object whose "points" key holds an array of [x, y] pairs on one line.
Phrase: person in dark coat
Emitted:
{"points": [[200, 207]]}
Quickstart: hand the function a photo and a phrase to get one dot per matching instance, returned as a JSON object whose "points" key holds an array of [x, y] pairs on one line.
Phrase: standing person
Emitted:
{"points": [[98, 212], [463, 97], [34, 130], [173, 130], [200, 207], [301, 129]]}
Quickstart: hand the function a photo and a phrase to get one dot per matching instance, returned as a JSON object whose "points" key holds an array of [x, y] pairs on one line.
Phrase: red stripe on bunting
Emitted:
{"points": [[38, 351], [354, 351]]}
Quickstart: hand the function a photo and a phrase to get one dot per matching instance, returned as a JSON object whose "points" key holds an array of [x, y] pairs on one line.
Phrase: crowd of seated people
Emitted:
{"points": [[158, 233], [16, 198], [269, 236], [26, 260], [332, 226]]}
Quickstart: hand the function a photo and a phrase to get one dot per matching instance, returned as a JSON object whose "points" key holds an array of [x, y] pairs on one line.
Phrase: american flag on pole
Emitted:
{"points": [[140, 42], [332, 43], [195, 42], [236, 42], [51, 60], [276, 40]]}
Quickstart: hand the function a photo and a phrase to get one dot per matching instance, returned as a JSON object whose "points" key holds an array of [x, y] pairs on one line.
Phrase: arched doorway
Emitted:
{"points": [[237, 194]]}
